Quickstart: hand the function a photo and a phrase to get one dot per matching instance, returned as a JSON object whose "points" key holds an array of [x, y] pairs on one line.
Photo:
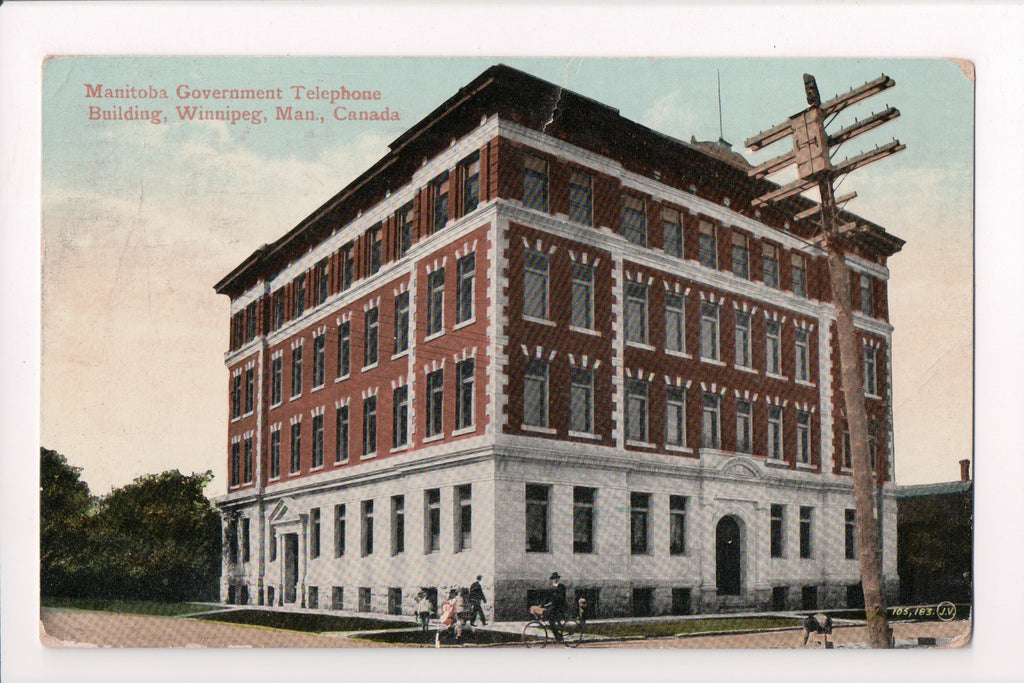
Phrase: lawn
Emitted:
{"points": [[417, 637], [146, 607], [307, 623], [656, 629]]}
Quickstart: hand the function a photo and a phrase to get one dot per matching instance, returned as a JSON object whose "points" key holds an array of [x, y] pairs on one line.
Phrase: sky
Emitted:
{"points": [[139, 220]]}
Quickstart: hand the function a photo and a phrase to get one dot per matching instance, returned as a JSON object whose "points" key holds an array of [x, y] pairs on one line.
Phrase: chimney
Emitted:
{"points": [[965, 470]]}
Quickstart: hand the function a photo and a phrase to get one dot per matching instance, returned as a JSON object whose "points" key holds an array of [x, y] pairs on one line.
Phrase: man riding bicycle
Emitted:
{"points": [[554, 608]]}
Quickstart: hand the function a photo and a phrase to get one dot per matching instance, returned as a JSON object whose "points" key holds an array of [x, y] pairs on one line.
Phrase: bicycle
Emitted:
{"points": [[535, 632]]}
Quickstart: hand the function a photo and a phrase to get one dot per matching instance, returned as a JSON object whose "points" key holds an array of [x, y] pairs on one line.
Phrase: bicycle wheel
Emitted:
{"points": [[572, 633], [535, 634]]}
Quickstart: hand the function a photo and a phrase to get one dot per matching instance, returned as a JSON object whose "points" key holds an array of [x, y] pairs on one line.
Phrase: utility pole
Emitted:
{"points": [[811, 145]]}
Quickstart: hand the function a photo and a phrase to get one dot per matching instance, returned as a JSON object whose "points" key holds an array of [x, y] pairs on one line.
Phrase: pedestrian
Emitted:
{"points": [[819, 623], [424, 608], [556, 604], [476, 597], [462, 610], [446, 620]]}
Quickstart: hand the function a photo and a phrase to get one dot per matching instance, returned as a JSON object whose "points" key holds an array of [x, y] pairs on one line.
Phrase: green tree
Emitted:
{"points": [[64, 506]]}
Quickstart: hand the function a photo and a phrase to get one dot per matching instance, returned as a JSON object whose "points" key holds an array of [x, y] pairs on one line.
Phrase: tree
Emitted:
{"points": [[64, 505]]}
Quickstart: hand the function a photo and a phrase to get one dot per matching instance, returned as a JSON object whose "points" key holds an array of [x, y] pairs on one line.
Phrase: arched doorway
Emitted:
{"points": [[727, 556]]}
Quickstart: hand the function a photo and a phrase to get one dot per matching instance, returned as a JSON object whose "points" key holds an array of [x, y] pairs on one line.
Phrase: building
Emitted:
{"points": [[538, 336], [935, 526]]}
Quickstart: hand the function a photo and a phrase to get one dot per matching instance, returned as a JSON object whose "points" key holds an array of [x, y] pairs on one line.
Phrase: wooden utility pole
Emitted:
{"points": [[810, 153]]}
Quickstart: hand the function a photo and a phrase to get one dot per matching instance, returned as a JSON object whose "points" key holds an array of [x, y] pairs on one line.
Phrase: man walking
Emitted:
{"points": [[476, 597]]}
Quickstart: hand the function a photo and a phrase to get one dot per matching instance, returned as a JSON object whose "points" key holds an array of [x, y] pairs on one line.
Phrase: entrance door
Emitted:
{"points": [[727, 556], [291, 566]]}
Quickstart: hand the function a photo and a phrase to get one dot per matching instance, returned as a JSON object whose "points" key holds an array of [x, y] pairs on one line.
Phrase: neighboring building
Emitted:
{"points": [[935, 526], [537, 336]]}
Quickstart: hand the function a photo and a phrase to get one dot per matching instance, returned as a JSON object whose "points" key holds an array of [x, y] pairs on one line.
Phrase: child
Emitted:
{"points": [[424, 608]]}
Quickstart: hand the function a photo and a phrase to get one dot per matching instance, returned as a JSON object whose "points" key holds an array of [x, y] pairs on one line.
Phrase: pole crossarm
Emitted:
{"points": [[853, 163], [855, 95], [793, 188], [807, 213], [858, 127]]}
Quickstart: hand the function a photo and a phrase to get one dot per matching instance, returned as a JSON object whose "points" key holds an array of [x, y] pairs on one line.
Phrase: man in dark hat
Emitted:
{"points": [[555, 606], [476, 597]]}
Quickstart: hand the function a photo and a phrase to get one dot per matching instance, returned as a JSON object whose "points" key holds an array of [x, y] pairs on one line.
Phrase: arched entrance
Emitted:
{"points": [[727, 556]]}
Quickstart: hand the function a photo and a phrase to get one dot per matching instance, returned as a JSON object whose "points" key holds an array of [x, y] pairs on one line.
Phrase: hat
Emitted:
{"points": [[554, 576], [479, 577]]}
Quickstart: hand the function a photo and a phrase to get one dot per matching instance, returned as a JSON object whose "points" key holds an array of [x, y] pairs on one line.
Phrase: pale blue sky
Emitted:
{"points": [[140, 220]]}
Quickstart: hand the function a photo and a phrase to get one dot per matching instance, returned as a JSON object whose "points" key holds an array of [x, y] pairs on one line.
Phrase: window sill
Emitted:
{"points": [[584, 330], [343, 377], [712, 361], [639, 345], [539, 429], [744, 368], [400, 354], [677, 449], [465, 430], [399, 449], [341, 462], [316, 388], [539, 321], [318, 468], [846, 471], [371, 366], [875, 397], [772, 375], [806, 466], [277, 478], [432, 439], [641, 444], [772, 462], [275, 405], [804, 383], [294, 397], [249, 414], [368, 456], [236, 419], [433, 336], [678, 354], [464, 323], [585, 435]]}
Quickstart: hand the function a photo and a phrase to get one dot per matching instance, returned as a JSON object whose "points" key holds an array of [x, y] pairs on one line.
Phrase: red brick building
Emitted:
{"points": [[538, 336]]}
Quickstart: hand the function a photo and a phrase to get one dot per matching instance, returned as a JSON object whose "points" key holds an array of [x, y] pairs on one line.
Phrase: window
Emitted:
{"points": [[710, 435], [322, 281], [535, 183], [799, 275], [867, 299], [870, 370], [439, 192], [675, 417], [805, 532], [744, 422], [672, 230], [743, 340], [636, 312], [770, 265], [348, 267], [250, 389], [400, 426], [740, 256], [236, 395], [405, 223], [583, 519], [366, 546], [580, 198], [319, 360], [582, 296], [246, 531], [432, 520], [471, 183], [236, 465], [707, 245], [365, 598], [709, 330], [275, 380], [275, 454], [296, 460], [774, 435], [299, 296], [344, 347], [535, 393], [581, 401], [535, 285], [435, 403], [634, 220], [464, 394], [272, 551], [466, 268], [463, 517], [773, 347], [339, 530], [397, 525], [636, 410], [372, 327], [369, 425], [536, 518], [376, 246], [341, 428], [677, 525], [402, 322], [850, 535], [802, 358], [803, 436], [435, 302], [847, 452], [232, 538], [277, 310], [314, 532], [872, 451], [675, 322], [777, 530], [639, 507], [318, 441], [297, 370]]}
